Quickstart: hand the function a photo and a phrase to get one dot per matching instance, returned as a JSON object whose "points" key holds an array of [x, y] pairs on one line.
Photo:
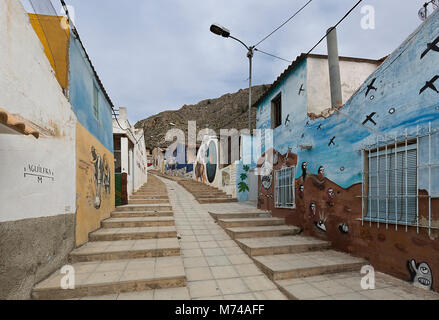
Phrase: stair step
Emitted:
{"points": [[137, 222], [114, 234], [148, 197], [146, 201], [215, 200], [113, 277], [281, 245], [250, 222], [125, 249], [261, 232], [136, 214], [236, 215], [150, 194], [212, 195], [299, 265], [144, 207]]}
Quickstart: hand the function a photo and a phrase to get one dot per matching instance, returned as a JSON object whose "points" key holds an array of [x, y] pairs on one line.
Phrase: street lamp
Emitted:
{"points": [[224, 32]]}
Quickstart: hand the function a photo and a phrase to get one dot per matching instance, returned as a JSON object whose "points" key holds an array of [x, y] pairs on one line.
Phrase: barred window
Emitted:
{"points": [[391, 184], [284, 188]]}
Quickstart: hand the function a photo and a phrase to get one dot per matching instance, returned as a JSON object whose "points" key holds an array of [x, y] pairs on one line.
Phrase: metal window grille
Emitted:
{"points": [[391, 176], [284, 188], [392, 185]]}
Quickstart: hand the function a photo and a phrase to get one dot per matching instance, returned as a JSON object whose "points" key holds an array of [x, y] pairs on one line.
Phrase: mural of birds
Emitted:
{"points": [[430, 85], [331, 142], [371, 87], [370, 118], [433, 46]]}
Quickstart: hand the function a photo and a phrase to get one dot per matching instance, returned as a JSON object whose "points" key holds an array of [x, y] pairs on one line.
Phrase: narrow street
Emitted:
{"points": [[285, 150], [217, 268], [136, 256]]}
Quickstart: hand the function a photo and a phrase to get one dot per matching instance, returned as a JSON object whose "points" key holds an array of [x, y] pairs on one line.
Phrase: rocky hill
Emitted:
{"points": [[227, 112]]}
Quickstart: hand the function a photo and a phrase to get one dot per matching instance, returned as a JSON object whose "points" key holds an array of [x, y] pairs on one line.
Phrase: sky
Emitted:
{"points": [[154, 56]]}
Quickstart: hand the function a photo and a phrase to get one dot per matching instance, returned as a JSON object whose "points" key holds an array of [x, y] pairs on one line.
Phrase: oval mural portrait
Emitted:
{"points": [[211, 162]]}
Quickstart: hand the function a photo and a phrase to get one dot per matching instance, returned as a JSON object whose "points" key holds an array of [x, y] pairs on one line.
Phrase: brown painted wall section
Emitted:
{"points": [[387, 250]]}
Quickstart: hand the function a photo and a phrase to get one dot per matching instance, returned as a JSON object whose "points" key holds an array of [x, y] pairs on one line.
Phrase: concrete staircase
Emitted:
{"points": [[205, 194], [135, 250], [280, 251]]}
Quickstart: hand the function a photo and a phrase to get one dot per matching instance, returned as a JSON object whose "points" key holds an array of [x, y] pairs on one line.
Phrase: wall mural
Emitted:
{"points": [[200, 175], [371, 87], [389, 104], [101, 175], [432, 46], [225, 180], [421, 274], [242, 185], [321, 223], [95, 198], [343, 228], [430, 85], [212, 162]]}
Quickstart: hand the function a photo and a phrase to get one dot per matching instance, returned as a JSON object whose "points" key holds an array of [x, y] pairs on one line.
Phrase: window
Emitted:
{"points": [[284, 188], [391, 184], [96, 102], [276, 111]]}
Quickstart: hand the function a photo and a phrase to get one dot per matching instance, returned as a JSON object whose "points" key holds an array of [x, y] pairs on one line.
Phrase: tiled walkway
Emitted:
{"points": [[216, 268]]}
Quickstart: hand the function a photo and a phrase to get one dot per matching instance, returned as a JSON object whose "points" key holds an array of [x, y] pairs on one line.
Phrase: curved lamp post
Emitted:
{"points": [[224, 32]]}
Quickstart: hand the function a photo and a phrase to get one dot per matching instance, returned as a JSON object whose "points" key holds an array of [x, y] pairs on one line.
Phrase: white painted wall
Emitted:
{"points": [[353, 74], [136, 159], [29, 89]]}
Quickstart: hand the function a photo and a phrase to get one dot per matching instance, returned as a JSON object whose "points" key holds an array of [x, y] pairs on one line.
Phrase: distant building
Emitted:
{"points": [[158, 159], [129, 153]]}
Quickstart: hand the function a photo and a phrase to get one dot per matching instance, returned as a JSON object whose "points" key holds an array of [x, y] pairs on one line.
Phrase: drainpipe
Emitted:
{"points": [[334, 68]]}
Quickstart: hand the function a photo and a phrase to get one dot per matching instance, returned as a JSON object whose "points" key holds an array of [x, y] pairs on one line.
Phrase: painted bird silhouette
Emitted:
{"points": [[301, 89], [370, 118], [287, 120], [430, 85], [371, 87], [431, 46], [331, 142]]}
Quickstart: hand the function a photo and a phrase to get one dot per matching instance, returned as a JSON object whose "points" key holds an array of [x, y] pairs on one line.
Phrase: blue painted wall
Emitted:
{"points": [[81, 86], [180, 153], [242, 178], [399, 80]]}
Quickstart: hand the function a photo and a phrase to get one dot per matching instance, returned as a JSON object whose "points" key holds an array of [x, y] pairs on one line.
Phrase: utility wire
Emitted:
{"points": [[272, 55], [340, 21], [295, 14]]}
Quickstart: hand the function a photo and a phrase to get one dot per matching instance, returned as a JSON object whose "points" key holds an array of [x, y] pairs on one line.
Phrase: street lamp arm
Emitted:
{"points": [[240, 42]]}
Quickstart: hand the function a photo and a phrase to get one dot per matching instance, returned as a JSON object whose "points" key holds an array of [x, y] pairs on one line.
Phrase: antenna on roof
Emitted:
{"points": [[424, 12]]}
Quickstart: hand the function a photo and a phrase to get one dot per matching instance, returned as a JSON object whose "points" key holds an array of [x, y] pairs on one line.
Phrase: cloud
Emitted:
{"points": [[154, 56]]}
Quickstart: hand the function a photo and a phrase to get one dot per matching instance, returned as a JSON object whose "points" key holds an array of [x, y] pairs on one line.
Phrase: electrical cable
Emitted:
{"points": [[288, 20], [340, 21], [272, 55]]}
